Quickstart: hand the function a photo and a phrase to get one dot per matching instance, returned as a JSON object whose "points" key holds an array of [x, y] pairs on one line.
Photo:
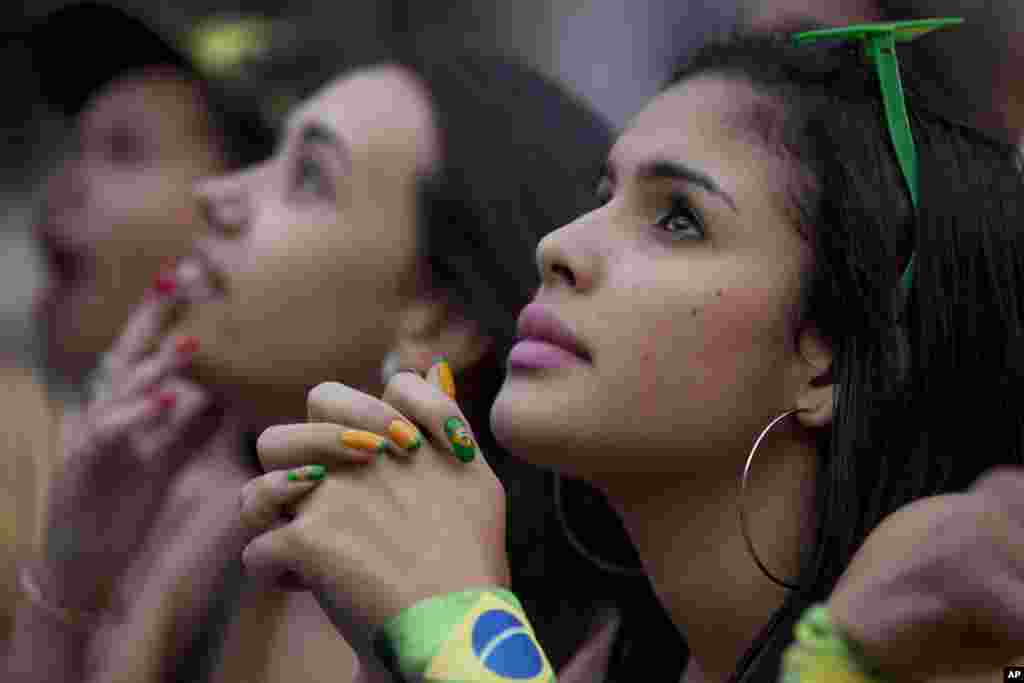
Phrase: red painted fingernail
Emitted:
{"points": [[165, 283], [166, 400], [187, 345]]}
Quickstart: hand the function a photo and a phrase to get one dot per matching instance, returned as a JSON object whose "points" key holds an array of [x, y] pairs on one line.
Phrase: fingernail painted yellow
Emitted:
{"points": [[445, 377], [405, 435], [363, 441]]}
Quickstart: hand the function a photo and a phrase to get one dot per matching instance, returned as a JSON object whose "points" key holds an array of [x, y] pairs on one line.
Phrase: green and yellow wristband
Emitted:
{"points": [[822, 654], [475, 636]]}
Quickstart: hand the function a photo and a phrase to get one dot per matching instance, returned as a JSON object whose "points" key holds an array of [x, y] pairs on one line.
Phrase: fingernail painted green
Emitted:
{"points": [[460, 439], [311, 473]]}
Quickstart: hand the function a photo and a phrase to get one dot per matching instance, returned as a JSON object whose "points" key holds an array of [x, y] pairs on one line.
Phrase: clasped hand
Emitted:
{"points": [[388, 525]]}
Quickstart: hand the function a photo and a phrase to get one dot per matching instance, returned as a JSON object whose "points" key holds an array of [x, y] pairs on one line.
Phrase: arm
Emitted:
{"points": [[42, 650], [36, 645], [118, 461]]}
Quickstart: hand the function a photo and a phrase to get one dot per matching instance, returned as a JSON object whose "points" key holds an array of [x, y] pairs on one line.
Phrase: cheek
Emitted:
{"points": [[315, 293], [737, 332], [712, 345]]}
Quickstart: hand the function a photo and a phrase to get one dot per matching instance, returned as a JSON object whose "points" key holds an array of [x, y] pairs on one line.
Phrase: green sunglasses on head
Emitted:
{"points": [[879, 40]]}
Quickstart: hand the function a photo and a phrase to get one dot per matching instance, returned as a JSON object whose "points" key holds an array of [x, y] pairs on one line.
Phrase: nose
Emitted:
{"points": [[224, 204], [66, 188], [564, 259]]}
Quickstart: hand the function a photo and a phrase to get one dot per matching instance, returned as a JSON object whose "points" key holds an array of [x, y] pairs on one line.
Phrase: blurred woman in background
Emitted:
{"points": [[145, 125]]}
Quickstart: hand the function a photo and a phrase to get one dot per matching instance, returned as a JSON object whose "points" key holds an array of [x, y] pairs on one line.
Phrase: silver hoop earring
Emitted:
{"points": [[391, 365], [578, 546], [743, 491]]}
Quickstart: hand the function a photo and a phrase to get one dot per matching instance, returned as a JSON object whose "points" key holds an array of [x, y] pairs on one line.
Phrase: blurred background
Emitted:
{"points": [[613, 53]]}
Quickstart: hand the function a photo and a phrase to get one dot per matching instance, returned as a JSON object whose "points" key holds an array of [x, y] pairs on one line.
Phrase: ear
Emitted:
{"points": [[817, 390], [430, 327]]}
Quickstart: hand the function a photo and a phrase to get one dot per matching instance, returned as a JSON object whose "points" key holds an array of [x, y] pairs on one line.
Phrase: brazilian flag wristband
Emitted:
{"points": [[475, 636], [822, 654]]}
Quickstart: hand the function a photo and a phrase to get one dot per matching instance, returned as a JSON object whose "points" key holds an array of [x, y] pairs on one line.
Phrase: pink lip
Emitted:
{"points": [[545, 341], [531, 353]]}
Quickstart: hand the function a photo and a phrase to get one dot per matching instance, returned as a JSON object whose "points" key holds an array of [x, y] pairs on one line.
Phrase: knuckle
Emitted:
{"points": [[322, 391], [258, 511], [319, 397], [300, 535], [247, 496], [266, 440], [260, 492], [397, 385]]}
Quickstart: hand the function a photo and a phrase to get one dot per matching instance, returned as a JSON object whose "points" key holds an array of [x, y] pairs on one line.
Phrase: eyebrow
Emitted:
{"points": [[663, 169]]}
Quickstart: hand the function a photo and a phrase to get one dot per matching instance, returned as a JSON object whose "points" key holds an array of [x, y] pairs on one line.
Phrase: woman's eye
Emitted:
{"points": [[310, 178], [681, 222], [126, 148]]}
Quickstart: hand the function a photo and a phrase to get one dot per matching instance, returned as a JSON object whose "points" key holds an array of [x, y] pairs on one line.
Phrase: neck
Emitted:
{"points": [[689, 539]]}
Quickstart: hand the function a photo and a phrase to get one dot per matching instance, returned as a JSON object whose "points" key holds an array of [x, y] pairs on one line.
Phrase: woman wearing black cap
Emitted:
{"points": [[145, 125]]}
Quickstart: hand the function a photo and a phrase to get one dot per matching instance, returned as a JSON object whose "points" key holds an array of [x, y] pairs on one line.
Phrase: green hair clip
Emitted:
{"points": [[879, 41]]}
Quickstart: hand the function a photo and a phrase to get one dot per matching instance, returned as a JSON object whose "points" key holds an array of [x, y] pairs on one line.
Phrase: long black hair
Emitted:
{"points": [[918, 380]]}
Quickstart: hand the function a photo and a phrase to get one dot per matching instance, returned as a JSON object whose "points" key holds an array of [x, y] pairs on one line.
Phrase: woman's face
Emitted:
{"points": [[117, 207], [315, 250], [682, 290]]}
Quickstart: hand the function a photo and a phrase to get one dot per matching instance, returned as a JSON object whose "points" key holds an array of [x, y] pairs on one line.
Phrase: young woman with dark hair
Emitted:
{"points": [[744, 271], [399, 216]]}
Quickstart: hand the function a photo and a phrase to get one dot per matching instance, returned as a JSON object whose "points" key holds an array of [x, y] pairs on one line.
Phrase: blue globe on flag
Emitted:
{"points": [[505, 647]]}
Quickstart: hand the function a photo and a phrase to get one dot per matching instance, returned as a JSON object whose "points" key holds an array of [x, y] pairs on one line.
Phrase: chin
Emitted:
{"points": [[531, 431], [262, 401]]}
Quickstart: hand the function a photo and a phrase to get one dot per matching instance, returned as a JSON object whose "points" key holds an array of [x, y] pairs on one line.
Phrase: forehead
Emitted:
{"points": [[157, 94], [377, 111], [713, 122]]}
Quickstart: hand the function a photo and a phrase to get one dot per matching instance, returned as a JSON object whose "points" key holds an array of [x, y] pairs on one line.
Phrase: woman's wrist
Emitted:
{"points": [[474, 635], [823, 653]]}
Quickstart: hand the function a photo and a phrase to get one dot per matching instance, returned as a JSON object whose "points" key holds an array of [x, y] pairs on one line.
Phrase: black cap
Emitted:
{"points": [[81, 47]]}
